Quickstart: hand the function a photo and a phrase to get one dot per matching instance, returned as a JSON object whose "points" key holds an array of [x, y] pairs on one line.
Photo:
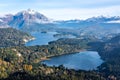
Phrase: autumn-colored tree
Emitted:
{"points": [[27, 67]]}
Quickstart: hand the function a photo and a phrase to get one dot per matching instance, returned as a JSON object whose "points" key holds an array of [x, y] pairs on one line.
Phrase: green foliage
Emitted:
{"points": [[23, 63], [12, 37], [110, 53]]}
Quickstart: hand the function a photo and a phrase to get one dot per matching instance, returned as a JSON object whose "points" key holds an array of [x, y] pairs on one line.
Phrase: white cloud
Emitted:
{"points": [[68, 13], [3, 5], [81, 13]]}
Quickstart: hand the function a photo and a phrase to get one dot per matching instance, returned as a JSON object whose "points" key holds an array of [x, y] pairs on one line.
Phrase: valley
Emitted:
{"points": [[35, 47]]}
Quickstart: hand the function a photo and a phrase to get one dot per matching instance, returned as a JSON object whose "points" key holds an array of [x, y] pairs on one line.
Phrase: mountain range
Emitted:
{"points": [[30, 16], [32, 21]]}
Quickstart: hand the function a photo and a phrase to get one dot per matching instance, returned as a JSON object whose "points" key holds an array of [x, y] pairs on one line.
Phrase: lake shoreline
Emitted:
{"points": [[90, 55], [41, 38], [47, 38], [48, 58]]}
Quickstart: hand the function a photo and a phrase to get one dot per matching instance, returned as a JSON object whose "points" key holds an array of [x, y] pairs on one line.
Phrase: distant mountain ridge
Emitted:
{"points": [[30, 17], [30, 21], [99, 19]]}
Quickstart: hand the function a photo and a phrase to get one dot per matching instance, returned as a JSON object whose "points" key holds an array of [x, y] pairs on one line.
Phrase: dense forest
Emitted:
{"points": [[34, 54], [12, 37], [23, 63], [110, 53]]}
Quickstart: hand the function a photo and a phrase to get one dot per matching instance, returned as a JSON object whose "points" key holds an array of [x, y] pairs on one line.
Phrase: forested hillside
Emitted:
{"points": [[110, 53], [12, 37], [24, 62]]}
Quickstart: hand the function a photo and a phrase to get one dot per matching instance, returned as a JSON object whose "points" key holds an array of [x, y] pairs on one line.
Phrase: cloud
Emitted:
{"points": [[64, 9], [81, 13], [3, 5], [77, 3]]}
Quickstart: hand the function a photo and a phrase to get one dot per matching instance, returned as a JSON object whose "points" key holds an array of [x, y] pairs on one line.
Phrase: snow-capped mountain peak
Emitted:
{"points": [[25, 18], [31, 16], [30, 11]]}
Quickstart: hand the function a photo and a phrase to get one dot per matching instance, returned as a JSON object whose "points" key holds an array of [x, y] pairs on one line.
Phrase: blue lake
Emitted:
{"points": [[41, 38], [87, 60], [44, 38]]}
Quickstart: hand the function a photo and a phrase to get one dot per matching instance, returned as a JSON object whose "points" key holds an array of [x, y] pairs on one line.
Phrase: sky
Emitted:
{"points": [[63, 9]]}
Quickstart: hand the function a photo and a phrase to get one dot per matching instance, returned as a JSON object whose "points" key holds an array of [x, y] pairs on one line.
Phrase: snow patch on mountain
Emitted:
{"points": [[31, 16], [115, 21], [30, 11], [1, 20]]}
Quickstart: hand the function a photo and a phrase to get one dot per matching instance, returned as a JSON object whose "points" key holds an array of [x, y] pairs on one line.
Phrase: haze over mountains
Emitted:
{"points": [[31, 16], [32, 21], [22, 18], [34, 16]]}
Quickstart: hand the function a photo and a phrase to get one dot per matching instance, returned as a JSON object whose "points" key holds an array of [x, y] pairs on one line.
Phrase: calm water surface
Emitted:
{"points": [[44, 38], [41, 38], [87, 60], [84, 60]]}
